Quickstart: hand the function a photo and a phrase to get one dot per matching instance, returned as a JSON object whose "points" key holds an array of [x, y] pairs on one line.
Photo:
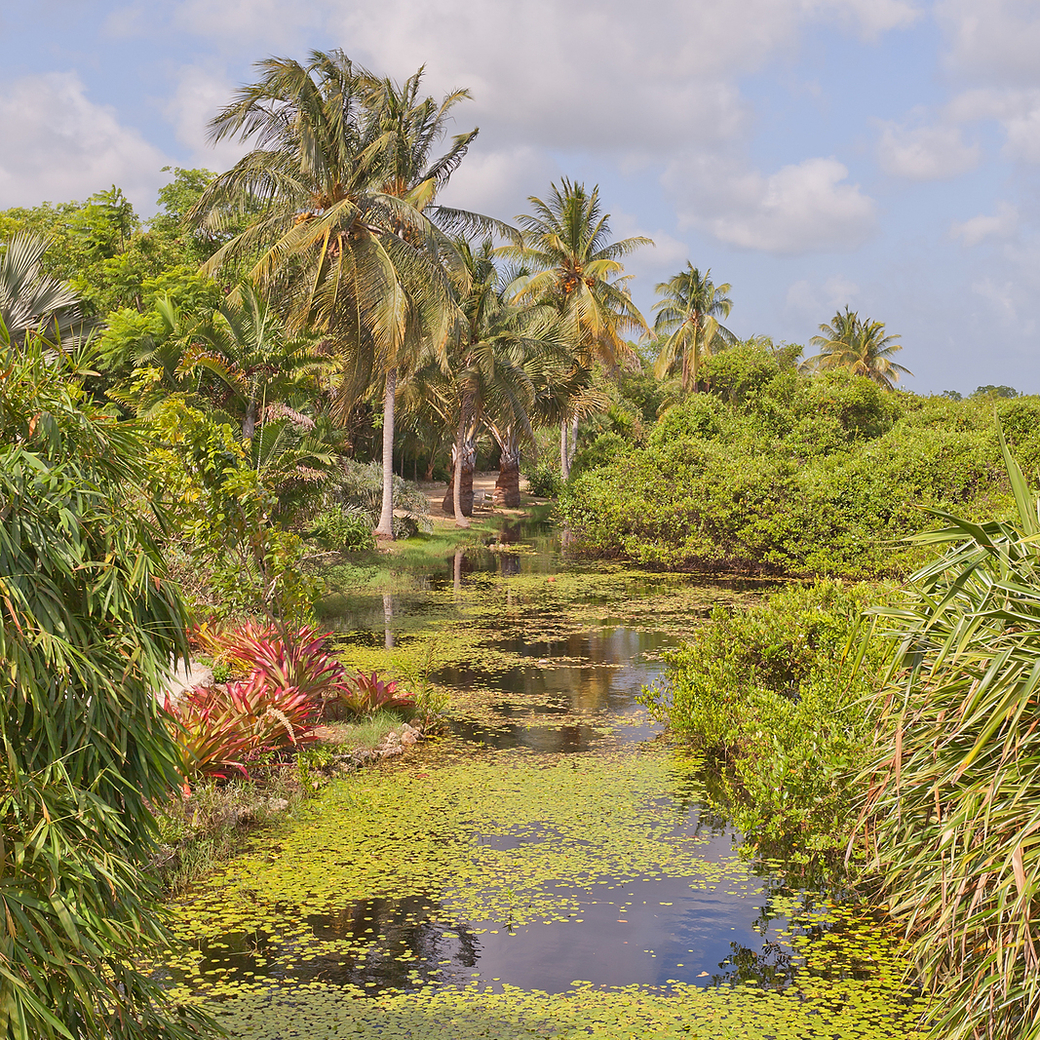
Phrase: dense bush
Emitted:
{"points": [[544, 480], [344, 528], [781, 473], [776, 694], [88, 623]]}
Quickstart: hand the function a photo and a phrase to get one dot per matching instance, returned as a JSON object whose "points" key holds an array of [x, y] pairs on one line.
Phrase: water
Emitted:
{"points": [[549, 835]]}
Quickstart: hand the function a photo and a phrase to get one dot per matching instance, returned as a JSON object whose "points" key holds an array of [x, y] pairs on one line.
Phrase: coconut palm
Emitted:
{"points": [[687, 318], [30, 299], [578, 270], [859, 346], [493, 380], [344, 177]]}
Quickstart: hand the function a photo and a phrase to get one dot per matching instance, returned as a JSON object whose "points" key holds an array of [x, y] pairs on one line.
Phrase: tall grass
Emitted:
{"points": [[952, 813]]}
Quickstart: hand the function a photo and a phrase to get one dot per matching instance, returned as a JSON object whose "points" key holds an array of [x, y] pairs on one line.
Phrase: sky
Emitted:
{"points": [[814, 154]]}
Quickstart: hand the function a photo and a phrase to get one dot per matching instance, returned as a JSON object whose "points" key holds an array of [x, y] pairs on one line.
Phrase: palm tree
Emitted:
{"points": [[343, 176], [245, 344], [688, 316], [30, 299], [859, 346], [578, 270], [493, 384]]}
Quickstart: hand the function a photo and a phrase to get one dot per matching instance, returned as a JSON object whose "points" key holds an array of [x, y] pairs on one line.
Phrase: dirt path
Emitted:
{"points": [[483, 486]]}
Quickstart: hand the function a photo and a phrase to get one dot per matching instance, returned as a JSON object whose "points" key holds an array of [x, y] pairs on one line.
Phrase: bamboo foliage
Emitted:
{"points": [[87, 625], [953, 810]]}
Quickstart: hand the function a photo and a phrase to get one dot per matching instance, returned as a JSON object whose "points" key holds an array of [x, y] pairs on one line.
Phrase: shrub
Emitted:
{"points": [[598, 453], [210, 738], [544, 481], [805, 485], [366, 694], [88, 624], [296, 659], [776, 693], [359, 485], [344, 528]]}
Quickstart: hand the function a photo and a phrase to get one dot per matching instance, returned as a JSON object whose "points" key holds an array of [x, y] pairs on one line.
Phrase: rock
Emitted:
{"points": [[183, 679]]}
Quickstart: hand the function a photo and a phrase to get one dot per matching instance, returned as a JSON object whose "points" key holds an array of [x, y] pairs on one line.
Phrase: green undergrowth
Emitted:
{"points": [[778, 697]]}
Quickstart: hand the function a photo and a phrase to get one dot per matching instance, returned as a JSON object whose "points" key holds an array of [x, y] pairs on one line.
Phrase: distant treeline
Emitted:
{"points": [[774, 471]]}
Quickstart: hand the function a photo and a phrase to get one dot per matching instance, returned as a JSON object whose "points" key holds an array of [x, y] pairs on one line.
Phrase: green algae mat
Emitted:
{"points": [[547, 871]]}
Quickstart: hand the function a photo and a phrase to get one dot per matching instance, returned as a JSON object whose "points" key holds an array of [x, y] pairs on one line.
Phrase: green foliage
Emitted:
{"points": [[544, 480], [951, 794], [781, 473], [344, 528], [88, 624], [604, 448], [775, 692], [238, 558], [359, 485]]}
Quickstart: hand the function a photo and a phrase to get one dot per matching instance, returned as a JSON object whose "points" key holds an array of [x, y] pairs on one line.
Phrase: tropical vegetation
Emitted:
{"points": [[202, 411]]}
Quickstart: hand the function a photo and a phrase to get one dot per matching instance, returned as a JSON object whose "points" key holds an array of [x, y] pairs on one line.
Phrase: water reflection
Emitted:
{"points": [[571, 692], [649, 930]]}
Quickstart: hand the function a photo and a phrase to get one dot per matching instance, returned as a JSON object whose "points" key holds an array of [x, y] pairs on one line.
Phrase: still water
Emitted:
{"points": [[550, 836]]}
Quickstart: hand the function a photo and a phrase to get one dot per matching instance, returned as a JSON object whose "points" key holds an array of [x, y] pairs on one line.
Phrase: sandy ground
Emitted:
{"points": [[483, 486]]}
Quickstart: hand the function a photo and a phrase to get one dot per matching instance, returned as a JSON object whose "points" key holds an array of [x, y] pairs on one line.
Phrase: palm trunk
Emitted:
{"points": [[249, 423], [565, 459], [386, 517], [466, 490], [456, 484], [572, 444], [696, 350], [507, 487]]}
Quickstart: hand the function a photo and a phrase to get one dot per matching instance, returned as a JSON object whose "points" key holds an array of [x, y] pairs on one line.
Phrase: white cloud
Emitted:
{"points": [[1016, 110], [804, 207], [604, 75], [498, 181], [993, 40], [247, 24], [874, 17], [925, 153], [819, 302], [1002, 224], [1000, 297], [60, 145], [198, 97]]}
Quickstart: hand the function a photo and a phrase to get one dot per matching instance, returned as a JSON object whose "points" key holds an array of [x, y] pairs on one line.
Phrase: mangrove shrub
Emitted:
{"points": [[776, 694]]}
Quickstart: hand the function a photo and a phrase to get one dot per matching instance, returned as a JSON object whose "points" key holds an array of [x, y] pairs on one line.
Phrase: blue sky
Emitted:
{"points": [[813, 153]]}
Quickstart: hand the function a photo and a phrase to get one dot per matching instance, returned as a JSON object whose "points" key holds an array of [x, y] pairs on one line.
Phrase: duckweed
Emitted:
{"points": [[371, 916]]}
